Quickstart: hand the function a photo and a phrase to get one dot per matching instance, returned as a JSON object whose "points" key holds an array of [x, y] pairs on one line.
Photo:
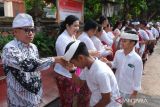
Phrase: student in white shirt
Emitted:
{"points": [[117, 33], [105, 38], [90, 28], [128, 66], [152, 39], [144, 36], [99, 77], [103, 49]]}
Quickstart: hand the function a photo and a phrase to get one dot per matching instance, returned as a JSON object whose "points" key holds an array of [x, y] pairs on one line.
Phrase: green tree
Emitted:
{"points": [[133, 8], [92, 9], [34, 7], [153, 9]]}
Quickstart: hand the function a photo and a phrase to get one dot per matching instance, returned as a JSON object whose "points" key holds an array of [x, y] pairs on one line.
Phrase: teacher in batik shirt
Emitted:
{"points": [[22, 65]]}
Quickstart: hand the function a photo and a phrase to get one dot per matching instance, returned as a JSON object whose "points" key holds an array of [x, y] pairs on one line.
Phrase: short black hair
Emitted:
{"points": [[143, 22], [81, 50], [90, 24], [102, 19], [131, 32], [99, 28]]}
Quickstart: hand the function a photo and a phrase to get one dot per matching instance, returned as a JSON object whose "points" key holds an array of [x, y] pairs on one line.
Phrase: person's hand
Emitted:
{"points": [[103, 59], [133, 97], [94, 53], [69, 66], [60, 59], [134, 94], [108, 48]]}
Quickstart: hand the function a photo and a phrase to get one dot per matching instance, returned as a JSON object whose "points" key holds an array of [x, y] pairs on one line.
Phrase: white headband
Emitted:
{"points": [[72, 49], [135, 23], [129, 36]]}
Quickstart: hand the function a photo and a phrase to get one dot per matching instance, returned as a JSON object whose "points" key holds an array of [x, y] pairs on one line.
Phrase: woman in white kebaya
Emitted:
{"points": [[67, 89], [65, 85]]}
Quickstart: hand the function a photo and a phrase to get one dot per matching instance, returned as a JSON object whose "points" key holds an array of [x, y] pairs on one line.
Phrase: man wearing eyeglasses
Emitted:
{"points": [[22, 65]]}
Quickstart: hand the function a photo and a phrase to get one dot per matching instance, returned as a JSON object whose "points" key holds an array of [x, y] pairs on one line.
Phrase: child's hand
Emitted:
{"points": [[104, 59], [69, 66], [94, 53]]}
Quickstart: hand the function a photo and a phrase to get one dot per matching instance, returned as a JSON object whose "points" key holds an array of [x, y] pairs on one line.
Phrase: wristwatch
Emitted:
{"points": [[73, 71]]}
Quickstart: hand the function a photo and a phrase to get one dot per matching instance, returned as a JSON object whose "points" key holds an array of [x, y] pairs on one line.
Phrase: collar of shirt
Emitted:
{"points": [[67, 34], [92, 68], [130, 54], [21, 44]]}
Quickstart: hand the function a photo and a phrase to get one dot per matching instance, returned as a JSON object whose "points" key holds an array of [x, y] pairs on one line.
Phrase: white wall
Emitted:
{"points": [[8, 9], [1, 1]]}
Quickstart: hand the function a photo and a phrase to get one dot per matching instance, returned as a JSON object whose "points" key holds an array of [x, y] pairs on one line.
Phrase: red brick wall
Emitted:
{"points": [[18, 7]]}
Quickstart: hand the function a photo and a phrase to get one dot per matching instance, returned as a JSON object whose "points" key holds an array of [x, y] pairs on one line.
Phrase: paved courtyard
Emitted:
{"points": [[150, 93]]}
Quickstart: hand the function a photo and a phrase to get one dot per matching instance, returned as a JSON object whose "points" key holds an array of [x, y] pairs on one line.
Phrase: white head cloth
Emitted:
{"points": [[150, 23], [129, 36], [71, 51], [135, 23], [22, 20]]}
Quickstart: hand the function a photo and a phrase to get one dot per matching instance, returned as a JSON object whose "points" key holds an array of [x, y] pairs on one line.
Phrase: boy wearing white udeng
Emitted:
{"points": [[98, 76], [128, 66]]}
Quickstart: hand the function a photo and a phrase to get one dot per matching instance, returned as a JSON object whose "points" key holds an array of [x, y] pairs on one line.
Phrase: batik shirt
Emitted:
{"points": [[22, 67]]}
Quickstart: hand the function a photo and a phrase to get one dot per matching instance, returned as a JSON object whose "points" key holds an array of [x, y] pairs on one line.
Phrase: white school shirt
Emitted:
{"points": [[105, 38], [144, 36], [128, 71], [150, 35], [100, 79], [87, 40], [155, 32], [111, 35], [100, 47], [62, 41]]}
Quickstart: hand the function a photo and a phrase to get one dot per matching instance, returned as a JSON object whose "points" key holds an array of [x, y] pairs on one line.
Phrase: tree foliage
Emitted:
{"points": [[153, 9], [146, 9], [92, 9], [34, 7], [133, 8]]}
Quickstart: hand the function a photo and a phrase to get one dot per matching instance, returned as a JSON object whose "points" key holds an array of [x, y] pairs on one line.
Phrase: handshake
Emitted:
{"points": [[66, 64]]}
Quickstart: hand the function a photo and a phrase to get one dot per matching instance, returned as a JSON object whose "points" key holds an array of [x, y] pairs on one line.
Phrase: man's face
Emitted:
{"points": [[79, 61], [127, 44], [24, 34]]}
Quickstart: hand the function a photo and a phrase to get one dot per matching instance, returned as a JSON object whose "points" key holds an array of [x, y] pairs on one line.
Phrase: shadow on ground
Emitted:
{"points": [[148, 101], [55, 103], [143, 101]]}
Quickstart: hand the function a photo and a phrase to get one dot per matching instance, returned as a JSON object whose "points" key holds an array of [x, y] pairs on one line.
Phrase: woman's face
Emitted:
{"points": [[105, 23], [72, 29], [92, 32], [98, 34]]}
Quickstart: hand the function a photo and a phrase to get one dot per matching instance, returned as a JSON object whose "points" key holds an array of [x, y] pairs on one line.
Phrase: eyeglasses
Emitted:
{"points": [[28, 30]]}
